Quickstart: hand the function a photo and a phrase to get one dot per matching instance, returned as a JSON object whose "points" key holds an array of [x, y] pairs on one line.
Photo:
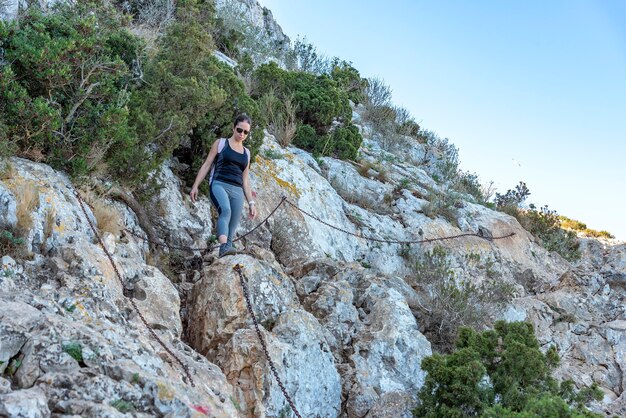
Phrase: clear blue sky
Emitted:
{"points": [[527, 90]]}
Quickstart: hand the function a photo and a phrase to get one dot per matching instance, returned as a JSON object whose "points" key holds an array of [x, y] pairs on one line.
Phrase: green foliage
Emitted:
{"points": [[63, 97], [318, 100], [343, 143], [443, 202], [123, 406], [75, 350], [545, 225], [468, 183], [348, 80], [304, 57], [567, 223], [346, 142], [498, 373], [305, 137], [11, 244], [513, 197]]}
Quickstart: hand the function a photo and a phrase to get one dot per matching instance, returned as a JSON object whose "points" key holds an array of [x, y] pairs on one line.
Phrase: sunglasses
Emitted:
{"points": [[239, 130]]}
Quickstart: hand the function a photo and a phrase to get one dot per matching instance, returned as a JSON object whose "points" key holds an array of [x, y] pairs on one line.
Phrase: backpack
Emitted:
{"points": [[220, 147]]}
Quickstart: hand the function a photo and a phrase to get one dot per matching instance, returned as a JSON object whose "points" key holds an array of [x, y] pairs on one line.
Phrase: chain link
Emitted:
{"points": [[211, 248], [239, 269], [387, 241], [132, 301]]}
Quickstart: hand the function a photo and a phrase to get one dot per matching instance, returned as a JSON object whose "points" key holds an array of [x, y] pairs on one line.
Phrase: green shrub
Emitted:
{"points": [[305, 137], [513, 197], [346, 142], [64, 95], [567, 223], [75, 350], [348, 80], [499, 373], [317, 98], [443, 202], [10, 244], [123, 406], [343, 143], [545, 225], [304, 57], [189, 96]]}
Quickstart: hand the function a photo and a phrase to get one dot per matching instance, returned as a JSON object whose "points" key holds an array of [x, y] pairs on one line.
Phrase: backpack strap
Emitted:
{"points": [[220, 148], [221, 145]]}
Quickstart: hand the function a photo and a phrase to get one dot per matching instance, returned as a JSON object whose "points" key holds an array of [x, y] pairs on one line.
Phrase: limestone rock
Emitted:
{"points": [[387, 352], [303, 360], [26, 403], [219, 308]]}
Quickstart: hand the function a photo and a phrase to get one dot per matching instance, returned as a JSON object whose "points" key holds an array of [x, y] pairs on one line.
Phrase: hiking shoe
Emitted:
{"points": [[226, 249]]}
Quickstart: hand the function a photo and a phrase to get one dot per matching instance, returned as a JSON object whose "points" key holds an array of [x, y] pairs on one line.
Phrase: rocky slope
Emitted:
{"points": [[342, 316]]}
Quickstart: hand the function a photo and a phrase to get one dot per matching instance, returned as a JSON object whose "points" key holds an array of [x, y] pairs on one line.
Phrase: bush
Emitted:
{"points": [[349, 80], [10, 244], [451, 302], [513, 197], [567, 223], [305, 137], [442, 203], [499, 373], [545, 225], [343, 143], [318, 100], [64, 95], [304, 57]]}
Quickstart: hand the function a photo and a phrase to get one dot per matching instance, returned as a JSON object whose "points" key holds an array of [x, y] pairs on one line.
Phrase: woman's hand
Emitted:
{"points": [[252, 210], [194, 193]]}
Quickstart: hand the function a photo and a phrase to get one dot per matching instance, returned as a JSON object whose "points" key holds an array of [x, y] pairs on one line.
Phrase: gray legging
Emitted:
{"points": [[228, 200]]}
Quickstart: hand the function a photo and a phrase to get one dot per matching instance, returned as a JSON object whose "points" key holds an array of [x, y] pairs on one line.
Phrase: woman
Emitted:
{"points": [[229, 182]]}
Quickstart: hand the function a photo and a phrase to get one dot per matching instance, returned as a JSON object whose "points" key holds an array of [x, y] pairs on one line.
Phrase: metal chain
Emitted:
{"points": [[285, 200], [421, 241], [132, 301], [239, 269], [211, 248]]}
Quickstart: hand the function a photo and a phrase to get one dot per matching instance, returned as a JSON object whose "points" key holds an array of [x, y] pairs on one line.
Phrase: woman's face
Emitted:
{"points": [[241, 131]]}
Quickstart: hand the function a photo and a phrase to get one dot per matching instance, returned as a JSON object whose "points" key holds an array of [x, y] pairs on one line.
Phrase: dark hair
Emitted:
{"points": [[242, 118]]}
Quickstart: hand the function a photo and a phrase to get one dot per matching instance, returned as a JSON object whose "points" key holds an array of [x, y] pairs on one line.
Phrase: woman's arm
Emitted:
{"points": [[247, 191], [206, 166]]}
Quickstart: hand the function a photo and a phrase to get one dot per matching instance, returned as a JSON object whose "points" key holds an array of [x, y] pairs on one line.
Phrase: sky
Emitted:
{"points": [[528, 90]]}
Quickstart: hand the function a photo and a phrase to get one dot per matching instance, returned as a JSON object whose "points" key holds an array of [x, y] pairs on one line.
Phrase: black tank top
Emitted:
{"points": [[230, 165]]}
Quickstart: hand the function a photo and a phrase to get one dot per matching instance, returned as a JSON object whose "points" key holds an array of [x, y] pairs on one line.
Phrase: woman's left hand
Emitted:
{"points": [[252, 211]]}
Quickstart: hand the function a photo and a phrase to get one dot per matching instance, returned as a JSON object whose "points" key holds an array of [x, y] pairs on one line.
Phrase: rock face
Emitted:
{"points": [[264, 35], [70, 341], [10, 9]]}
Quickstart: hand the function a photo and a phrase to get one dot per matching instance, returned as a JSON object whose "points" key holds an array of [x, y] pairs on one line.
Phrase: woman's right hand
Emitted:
{"points": [[194, 193]]}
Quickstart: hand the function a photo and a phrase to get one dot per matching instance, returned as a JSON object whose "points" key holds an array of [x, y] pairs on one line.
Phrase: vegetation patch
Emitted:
{"points": [[451, 302], [500, 373]]}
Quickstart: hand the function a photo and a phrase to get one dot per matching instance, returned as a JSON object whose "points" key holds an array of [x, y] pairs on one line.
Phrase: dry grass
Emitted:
{"points": [[51, 215], [107, 217], [284, 124], [364, 169], [7, 171], [27, 196], [281, 116]]}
